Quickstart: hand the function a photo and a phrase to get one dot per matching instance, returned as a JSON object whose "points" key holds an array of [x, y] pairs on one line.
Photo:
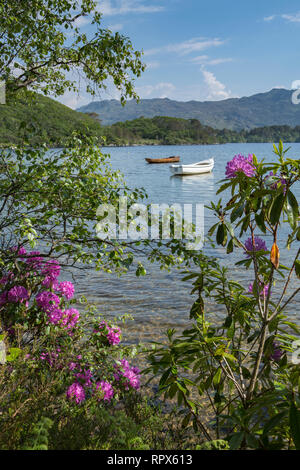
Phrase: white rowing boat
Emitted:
{"points": [[205, 166]]}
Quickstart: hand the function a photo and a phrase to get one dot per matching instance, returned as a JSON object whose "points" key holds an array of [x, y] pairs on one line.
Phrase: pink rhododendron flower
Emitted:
{"points": [[51, 268], [3, 298], [112, 333], [106, 388], [47, 300], [76, 392], [66, 289], [17, 294], [55, 315], [263, 293], [85, 377], [20, 251], [50, 283], [131, 374], [70, 318], [240, 164], [280, 180], [51, 357], [277, 352], [34, 260], [259, 245]]}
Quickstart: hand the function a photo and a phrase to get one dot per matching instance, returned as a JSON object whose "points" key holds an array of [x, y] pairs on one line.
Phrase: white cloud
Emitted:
{"points": [[295, 18], [152, 65], [291, 18], [123, 7], [269, 18], [115, 27], [73, 100], [160, 90], [82, 21], [205, 60], [187, 47], [215, 89]]}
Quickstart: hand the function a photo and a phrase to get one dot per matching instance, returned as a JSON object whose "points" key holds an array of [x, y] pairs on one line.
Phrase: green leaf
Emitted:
{"points": [[273, 422], [217, 377], [221, 233], [276, 209], [295, 425], [236, 440], [230, 247], [237, 212], [13, 354], [259, 219], [294, 205], [229, 228], [297, 268]]}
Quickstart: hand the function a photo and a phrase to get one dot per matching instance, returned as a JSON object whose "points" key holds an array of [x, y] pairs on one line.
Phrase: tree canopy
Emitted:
{"points": [[42, 47]]}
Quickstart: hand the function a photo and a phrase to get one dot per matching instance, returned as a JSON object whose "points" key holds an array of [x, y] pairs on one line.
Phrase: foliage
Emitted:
{"points": [[176, 131], [241, 368], [47, 121], [62, 358], [218, 444], [42, 46], [39, 435]]}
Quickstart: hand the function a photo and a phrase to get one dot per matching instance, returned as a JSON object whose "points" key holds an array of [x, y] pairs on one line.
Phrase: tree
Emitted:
{"points": [[41, 46]]}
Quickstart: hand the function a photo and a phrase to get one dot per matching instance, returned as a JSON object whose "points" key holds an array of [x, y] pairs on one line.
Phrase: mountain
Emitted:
{"points": [[264, 109], [46, 120]]}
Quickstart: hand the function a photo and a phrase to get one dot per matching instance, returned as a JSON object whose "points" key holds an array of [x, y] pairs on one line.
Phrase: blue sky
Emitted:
{"points": [[206, 50]]}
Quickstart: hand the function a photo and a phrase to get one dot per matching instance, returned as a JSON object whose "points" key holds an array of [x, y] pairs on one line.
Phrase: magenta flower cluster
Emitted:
{"points": [[85, 382], [280, 180], [47, 300], [240, 164], [125, 376], [130, 374], [76, 392], [259, 245], [106, 388], [277, 352], [52, 358], [111, 333], [264, 289], [50, 297]]}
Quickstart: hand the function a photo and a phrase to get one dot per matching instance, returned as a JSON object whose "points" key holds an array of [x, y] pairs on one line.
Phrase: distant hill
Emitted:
{"points": [[51, 122], [177, 131], [263, 109]]}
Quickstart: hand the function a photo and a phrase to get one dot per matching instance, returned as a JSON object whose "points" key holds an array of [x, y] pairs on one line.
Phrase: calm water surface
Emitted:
{"points": [[160, 300]]}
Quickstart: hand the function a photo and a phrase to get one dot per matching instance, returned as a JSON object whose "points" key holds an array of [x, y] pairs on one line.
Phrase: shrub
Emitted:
{"points": [[240, 367]]}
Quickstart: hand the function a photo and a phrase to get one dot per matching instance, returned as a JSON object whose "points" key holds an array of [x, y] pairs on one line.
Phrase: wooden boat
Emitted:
{"points": [[163, 160], [205, 166]]}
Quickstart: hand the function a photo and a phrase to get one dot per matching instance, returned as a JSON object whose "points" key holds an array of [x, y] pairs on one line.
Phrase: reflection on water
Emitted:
{"points": [[193, 183], [160, 300]]}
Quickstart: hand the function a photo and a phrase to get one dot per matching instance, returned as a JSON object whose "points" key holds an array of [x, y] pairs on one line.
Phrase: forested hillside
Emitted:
{"points": [[47, 121]]}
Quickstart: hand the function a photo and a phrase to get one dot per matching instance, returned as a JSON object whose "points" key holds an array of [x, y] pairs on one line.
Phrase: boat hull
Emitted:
{"points": [[163, 160], [195, 169]]}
